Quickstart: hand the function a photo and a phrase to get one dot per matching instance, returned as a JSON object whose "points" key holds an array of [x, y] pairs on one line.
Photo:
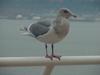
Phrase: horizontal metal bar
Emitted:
{"points": [[42, 61]]}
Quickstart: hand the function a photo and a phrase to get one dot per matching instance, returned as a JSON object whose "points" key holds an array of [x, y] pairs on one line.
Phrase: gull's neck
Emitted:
{"points": [[60, 26], [60, 19]]}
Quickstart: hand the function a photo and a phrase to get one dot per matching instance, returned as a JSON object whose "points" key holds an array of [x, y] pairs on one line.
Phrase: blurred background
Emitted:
{"points": [[83, 38], [27, 9]]}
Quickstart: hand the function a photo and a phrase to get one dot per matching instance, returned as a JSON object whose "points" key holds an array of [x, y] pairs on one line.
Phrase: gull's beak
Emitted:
{"points": [[74, 16]]}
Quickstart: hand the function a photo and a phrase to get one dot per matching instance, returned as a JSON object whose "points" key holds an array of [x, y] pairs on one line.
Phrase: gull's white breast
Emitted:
{"points": [[52, 36]]}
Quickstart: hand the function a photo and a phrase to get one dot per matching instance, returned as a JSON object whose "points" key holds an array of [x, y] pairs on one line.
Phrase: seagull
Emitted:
{"points": [[51, 32]]}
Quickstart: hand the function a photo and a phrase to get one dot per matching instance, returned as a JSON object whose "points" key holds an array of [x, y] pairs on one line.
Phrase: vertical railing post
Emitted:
{"points": [[48, 69]]}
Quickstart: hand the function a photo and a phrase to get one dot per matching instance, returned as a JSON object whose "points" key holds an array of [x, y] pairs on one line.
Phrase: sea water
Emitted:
{"points": [[83, 39]]}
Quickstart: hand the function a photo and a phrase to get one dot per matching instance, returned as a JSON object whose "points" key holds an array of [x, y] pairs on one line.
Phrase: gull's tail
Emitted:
{"points": [[25, 31]]}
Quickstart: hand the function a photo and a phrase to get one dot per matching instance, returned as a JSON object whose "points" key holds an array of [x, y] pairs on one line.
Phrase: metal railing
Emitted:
{"points": [[50, 64]]}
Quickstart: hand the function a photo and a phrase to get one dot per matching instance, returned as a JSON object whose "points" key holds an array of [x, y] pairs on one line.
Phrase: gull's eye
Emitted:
{"points": [[65, 11]]}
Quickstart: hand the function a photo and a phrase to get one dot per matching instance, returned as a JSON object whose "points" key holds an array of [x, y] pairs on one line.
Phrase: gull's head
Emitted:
{"points": [[66, 13]]}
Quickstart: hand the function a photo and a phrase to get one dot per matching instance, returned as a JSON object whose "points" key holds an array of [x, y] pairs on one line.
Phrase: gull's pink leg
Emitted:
{"points": [[53, 55], [48, 56]]}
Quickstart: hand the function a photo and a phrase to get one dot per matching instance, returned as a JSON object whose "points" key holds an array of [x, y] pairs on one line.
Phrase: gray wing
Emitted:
{"points": [[46, 23], [39, 28]]}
